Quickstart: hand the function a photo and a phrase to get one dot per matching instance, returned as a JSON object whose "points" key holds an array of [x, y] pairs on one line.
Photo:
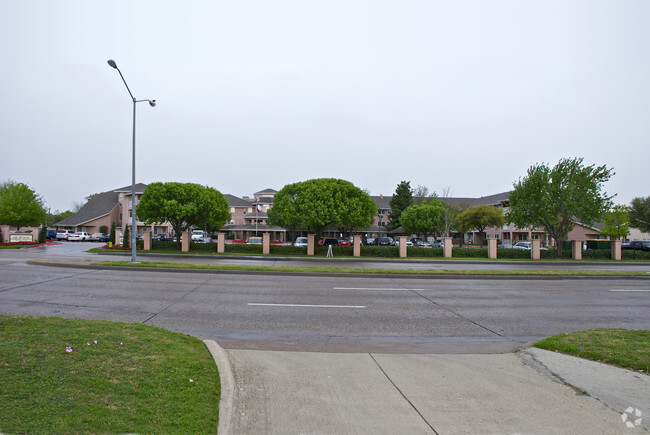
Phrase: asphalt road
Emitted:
{"points": [[326, 314]]}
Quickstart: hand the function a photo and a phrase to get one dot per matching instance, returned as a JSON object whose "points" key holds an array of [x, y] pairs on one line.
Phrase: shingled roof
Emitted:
{"points": [[97, 206]]}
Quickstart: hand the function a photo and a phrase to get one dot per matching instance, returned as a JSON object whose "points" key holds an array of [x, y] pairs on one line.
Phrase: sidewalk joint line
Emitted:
{"points": [[402, 393]]}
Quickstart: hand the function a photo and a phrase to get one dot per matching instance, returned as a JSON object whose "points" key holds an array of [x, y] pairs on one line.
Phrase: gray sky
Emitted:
{"points": [[259, 94]]}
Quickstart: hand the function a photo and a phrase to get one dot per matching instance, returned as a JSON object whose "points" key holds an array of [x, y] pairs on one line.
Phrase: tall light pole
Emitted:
{"points": [[152, 103]]}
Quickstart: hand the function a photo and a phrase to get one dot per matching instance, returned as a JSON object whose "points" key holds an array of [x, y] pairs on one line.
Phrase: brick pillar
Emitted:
{"points": [[185, 243], [534, 251], [616, 249], [576, 249], [446, 249], [402, 246], [147, 241], [492, 248], [310, 244], [266, 243], [221, 243], [356, 242]]}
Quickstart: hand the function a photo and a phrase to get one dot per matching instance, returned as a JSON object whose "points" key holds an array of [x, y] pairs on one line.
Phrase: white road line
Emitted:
{"points": [[380, 289], [629, 290], [306, 306]]}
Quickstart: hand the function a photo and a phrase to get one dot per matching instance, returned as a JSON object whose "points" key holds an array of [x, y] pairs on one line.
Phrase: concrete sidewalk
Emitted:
{"points": [[267, 392]]}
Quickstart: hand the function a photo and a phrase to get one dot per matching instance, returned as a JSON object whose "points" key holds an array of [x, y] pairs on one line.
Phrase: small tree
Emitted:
{"points": [[20, 206], [401, 200], [479, 218], [617, 223], [111, 237], [423, 219], [184, 206], [640, 214], [42, 234], [126, 239], [553, 199]]}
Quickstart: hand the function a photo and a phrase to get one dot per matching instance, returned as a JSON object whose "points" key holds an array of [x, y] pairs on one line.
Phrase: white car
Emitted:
{"points": [[63, 234], [96, 237], [528, 246], [300, 242], [79, 235]]}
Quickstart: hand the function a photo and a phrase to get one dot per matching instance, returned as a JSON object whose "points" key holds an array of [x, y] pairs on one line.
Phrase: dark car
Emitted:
{"points": [[638, 245], [328, 242], [105, 238], [386, 241], [50, 234]]}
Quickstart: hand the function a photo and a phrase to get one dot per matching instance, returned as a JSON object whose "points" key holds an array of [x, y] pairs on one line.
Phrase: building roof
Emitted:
{"points": [[266, 192], [139, 189], [234, 201], [97, 206], [382, 201]]}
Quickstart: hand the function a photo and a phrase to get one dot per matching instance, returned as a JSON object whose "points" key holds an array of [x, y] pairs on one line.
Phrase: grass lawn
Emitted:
{"points": [[627, 348], [466, 272], [71, 375]]}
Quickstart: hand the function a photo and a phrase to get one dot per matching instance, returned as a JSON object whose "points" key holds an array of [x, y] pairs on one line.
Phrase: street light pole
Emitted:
{"points": [[152, 103]]}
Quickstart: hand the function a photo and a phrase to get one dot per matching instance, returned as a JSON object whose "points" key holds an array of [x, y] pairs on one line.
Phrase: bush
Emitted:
{"points": [[513, 253], [287, 250], [42, 234], [419, 251], [378, 251], [111, 237], [633, 254], [103, 229], [243, 249], [470, 252]]}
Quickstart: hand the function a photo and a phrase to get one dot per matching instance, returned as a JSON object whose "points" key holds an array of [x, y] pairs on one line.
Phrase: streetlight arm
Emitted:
{"points": [[112, 64]]}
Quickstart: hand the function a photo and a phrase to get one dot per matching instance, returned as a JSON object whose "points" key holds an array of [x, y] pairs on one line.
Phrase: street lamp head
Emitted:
{"points": [[112, 63], [152, 103]]}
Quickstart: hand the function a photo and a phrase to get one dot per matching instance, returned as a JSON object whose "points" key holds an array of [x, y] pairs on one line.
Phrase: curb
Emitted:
{"points": [[226, 400], [332, 274]]}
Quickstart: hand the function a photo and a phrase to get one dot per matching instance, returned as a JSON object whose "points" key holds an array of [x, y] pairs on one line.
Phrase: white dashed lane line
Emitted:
{"points": [[305, 306]]}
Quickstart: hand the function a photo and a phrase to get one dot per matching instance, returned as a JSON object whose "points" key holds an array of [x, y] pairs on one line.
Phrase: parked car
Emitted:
{"points": [[438, 244], [344, 242], [254, 241], [63, 234], [50, 234], [370, 241], [96, 237], [79, 235], [639, 245], [527, 245], [408, 243], [199, 236], [238, 242], [105, 238], [386, 241], [328, 241], [300, 242], [424, 244]]}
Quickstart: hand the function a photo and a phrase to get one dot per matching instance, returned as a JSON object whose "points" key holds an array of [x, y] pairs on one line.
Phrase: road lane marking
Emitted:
{"points": [[629, 290], [380, 289], [306, 306]]}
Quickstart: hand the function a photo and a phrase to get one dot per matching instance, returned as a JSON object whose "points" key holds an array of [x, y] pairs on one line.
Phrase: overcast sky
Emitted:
{"points": [[258, 94]]}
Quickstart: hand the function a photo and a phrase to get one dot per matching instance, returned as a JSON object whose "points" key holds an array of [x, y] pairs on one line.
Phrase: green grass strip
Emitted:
{"points": [[133, 379], [627, 348], [312, 269]]}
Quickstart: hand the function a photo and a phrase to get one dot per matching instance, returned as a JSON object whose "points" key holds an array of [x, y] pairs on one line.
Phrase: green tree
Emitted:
{"points": [[423, 219], [401, 200], [184, 206], [320, 203], [111, 237], [42, 234], [554, 198], [617, 222], [126, 237], [640, 214], [20, 206], [479, 218]]}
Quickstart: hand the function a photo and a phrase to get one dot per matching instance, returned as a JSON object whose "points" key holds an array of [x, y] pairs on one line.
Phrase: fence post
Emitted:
{"points": [[447, 247], [310, 244], [492, 248], [616, 249], [576, 251], [356, 241], [534, 251]]}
